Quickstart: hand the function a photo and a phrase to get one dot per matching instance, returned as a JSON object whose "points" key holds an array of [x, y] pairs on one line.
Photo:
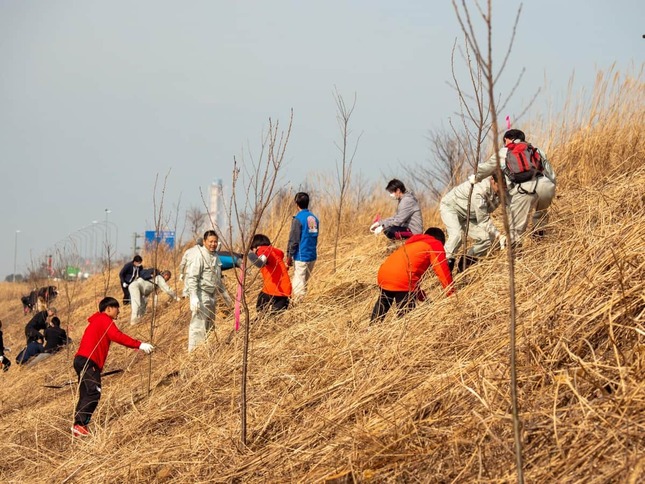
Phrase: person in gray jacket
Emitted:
{"points": [[484, 199], [143, 287], [204, 283], [521, 197], [407, 220]]}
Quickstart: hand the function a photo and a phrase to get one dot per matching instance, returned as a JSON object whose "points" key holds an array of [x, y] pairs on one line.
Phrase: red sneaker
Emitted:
{"points": [[80, 431]]}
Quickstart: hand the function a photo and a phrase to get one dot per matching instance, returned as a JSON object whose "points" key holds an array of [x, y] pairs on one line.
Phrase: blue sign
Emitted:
{"points": [[160, 237]]}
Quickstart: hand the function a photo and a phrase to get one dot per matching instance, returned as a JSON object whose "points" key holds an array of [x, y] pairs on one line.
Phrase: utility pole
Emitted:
{"points": [[135, 247]]}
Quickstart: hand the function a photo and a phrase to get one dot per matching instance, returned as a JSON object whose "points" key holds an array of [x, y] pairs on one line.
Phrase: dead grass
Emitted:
{"points": [[421, 399]]}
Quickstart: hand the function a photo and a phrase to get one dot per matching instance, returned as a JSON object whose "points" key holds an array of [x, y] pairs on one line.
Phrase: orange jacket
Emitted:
{"points": [[403, 269], [274, 272]]}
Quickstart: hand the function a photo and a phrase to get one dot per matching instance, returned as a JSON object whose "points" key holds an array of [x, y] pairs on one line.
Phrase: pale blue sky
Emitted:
{"points": [[97, 97]]}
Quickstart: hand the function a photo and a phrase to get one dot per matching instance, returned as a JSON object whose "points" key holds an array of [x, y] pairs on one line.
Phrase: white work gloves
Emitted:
{"points": [[376, 228], [146, 348], [502, 241], [125, 284], [194, 303], [471, 179]]}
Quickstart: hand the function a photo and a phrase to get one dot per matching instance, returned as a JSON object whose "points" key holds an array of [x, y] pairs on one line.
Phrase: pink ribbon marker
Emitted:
{"points": [[508, 122]]}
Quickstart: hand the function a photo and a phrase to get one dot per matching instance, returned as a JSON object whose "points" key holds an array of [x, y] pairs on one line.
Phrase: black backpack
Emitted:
{"points": [[149, 274]]}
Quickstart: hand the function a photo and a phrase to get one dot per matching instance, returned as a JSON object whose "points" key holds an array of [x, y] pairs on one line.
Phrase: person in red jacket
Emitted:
{"points": [[277, 285], [400, 273], [90, 359]]}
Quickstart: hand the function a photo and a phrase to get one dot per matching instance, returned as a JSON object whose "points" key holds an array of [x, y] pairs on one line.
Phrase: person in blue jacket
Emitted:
{"points": [[33, 348], [302, 246]]}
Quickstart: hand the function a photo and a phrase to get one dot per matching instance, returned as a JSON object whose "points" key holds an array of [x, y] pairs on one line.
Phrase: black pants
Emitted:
{"points": [[271, 303], [126, 294], [405, 301], [397, 232], [89, 389]]}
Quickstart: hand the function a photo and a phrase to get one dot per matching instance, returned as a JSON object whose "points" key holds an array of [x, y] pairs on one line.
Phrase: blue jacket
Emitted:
{"points": [[303, 237]]}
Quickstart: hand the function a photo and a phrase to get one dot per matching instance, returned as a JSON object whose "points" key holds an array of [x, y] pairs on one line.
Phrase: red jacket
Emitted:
{"points": [[275, 274], [403, 269], [97, 337]]}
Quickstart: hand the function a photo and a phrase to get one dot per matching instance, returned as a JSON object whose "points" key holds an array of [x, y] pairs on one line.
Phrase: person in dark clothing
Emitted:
{"points": [[128, 275], [90, 359], [34, 347], [55, 336], [38, 323], [4, 361]]}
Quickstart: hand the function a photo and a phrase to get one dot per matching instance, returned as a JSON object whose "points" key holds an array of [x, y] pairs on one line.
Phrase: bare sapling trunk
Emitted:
{"points": [[484, 61], [344, 168]]}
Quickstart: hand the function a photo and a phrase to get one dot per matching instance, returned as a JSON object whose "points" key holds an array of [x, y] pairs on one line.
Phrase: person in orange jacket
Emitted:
{"points": [[399, 275], [276, 291]]}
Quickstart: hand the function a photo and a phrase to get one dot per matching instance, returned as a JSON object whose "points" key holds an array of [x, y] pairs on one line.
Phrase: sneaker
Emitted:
{"points": [[80, 431]]}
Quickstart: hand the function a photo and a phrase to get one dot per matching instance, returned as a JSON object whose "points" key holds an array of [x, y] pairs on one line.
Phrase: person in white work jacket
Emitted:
{"points": [[522, 197], [143, 287], [204, 282], [454, 213]]}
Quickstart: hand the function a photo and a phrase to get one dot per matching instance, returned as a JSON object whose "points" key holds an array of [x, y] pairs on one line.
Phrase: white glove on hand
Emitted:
{"points": [[378, 230], [502, 242], [374, 226], [146, 348], [181, 277], [194, 303], [125, 284], [471, 179]]}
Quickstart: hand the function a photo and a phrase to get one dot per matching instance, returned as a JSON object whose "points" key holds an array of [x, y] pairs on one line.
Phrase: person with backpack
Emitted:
{"points": [[407, 221], [399, 275], [147, 283], [276, 290], [303, 241], [90, 359], [484, 200], [523, 168], [128, 274]]}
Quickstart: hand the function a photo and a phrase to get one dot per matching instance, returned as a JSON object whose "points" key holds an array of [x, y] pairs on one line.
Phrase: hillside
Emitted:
{"points": [[425, 398]]}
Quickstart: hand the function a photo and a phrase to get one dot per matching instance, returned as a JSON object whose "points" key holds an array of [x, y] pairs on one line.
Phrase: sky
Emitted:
{"points": [[98, 98]]}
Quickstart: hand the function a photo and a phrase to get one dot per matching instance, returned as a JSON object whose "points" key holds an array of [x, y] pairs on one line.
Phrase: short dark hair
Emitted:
{"points": [[395, 184], [515, 134], [495, 176], [108, 302], [137, 258], [56, 321], [210, 233], [163, 274], [259, 240], [302, 200], [437, 233]]}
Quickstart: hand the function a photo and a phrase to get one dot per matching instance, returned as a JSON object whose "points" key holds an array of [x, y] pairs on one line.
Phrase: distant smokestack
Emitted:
{"points": [[216, 208]]}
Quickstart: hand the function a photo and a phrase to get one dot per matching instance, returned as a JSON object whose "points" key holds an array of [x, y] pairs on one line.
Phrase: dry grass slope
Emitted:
{"points": [[421, 399]]}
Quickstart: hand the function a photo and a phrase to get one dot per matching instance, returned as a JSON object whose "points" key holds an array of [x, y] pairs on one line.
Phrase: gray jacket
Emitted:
{"points": [[408, 214], [484, 201]]}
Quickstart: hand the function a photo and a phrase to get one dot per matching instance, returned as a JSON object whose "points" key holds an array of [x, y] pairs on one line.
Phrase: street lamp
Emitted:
{"points": [[107, 234], [15, 255]]}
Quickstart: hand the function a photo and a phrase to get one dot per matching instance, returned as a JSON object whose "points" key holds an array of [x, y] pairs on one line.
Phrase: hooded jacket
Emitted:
{"points": [[274, 271], [97, 337], [408, 214], [403, 269]]}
